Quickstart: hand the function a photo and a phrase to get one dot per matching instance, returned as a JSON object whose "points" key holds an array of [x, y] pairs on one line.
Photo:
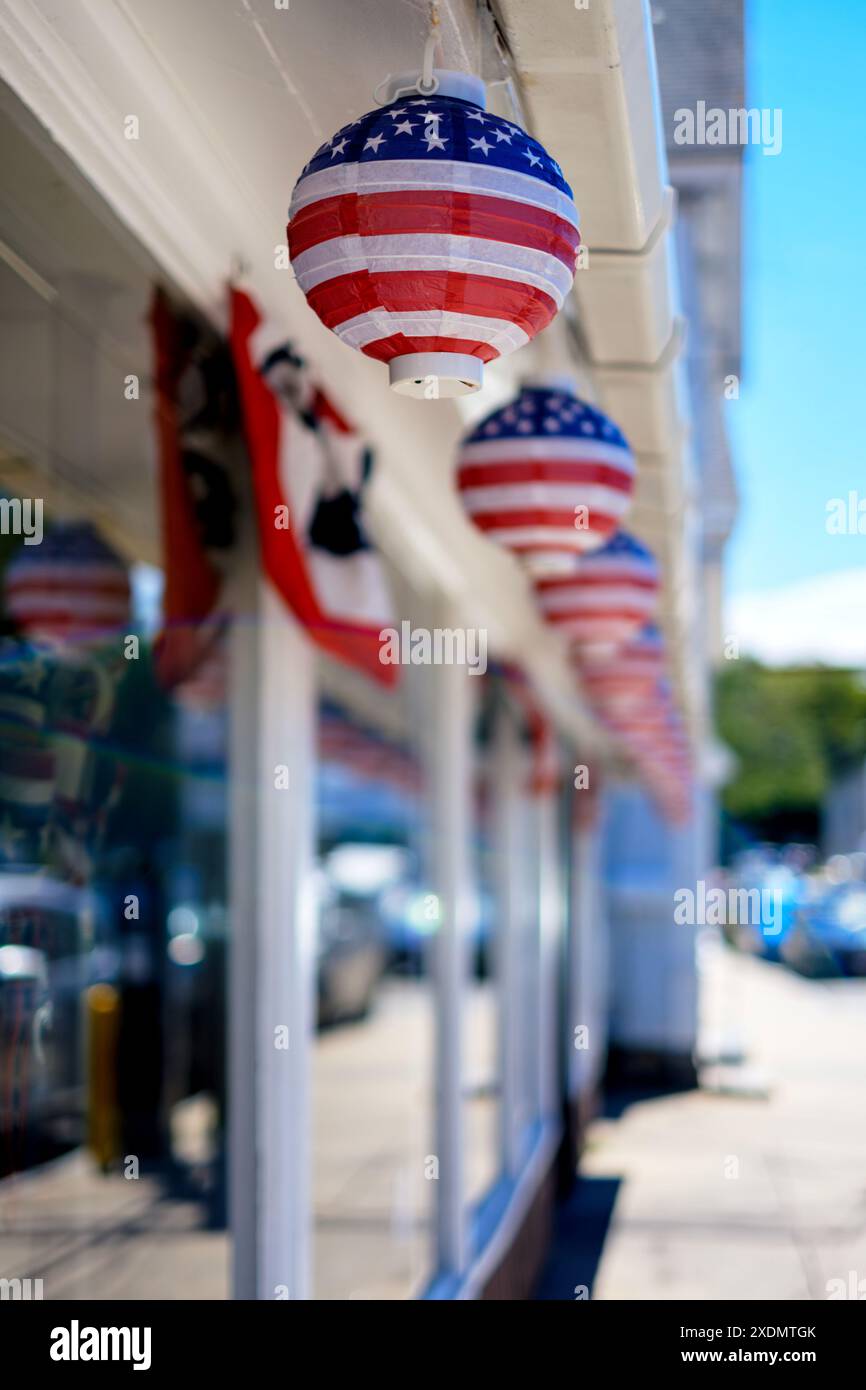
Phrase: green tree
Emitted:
{"points": [[792, 730]]}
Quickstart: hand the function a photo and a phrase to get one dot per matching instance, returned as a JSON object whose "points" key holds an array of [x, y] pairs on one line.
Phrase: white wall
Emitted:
{"points": [[653, 1003]]}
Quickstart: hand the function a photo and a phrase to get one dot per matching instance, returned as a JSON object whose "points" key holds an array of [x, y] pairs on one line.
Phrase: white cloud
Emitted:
{"points": [[815, 620]]}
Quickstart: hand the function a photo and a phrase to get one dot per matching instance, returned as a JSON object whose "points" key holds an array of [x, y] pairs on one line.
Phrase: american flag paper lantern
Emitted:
{"points": [[649, 729], [433, 236], [670, 787], [72, 588], [547, 477], [655, 734], [654, 737], [608, 599], [628, 676]]}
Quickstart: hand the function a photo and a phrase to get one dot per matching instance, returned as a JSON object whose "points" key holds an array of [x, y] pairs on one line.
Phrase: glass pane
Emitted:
{"points": [[373, 1051], [482, 1080], [112, 972], [113, 843]]}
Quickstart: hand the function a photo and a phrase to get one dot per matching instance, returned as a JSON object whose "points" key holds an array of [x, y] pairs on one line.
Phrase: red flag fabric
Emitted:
{"points": [[545, 773], [192, 387], [309, 469]]}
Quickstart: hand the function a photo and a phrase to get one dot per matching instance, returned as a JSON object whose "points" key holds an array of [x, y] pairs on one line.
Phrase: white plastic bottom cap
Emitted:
{"points": [[434, 376], [550, 564]]}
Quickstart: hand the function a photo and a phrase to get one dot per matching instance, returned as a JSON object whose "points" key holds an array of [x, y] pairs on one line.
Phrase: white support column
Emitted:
{"points": [[450, 773], [549, 942], [272, 948], [587, 987], [287, 950], [530, 932], [509, 859], [579, 910]]}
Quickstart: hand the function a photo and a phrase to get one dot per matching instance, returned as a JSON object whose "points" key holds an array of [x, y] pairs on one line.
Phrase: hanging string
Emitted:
{"points": [[426, 83]]}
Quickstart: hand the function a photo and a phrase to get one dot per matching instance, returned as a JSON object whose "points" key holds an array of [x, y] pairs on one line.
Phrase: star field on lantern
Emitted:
{"points": [[540, 411], [447, 128]]}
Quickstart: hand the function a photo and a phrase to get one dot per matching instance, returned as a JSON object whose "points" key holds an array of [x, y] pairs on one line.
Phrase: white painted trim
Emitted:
{"points": [[587, 984], [549, 906], [525, 1191], [450, 752], [509, 861]]}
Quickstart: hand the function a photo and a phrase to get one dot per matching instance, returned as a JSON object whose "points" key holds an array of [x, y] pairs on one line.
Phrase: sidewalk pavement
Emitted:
{"points": [[757, 1195], [89, 1236], [95, 1236]]}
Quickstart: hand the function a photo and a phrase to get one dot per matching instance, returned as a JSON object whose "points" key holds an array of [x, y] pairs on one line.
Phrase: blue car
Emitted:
{"points": [[832, 938], [784, 895]]}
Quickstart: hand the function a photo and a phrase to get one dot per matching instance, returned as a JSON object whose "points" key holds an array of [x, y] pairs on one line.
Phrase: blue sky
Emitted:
{"points": [[798, 428]]}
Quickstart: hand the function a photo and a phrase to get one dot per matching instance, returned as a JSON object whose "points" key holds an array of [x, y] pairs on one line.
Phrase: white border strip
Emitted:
{"points": [[525, 1191]]}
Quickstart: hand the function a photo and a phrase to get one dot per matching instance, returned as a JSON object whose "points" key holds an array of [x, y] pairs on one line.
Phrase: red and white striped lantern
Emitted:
{"points": [[649, 715], [619, 680], [611, 596], [72, 589], [433, 236], [659, 749], [650, 731], [548, 476]]}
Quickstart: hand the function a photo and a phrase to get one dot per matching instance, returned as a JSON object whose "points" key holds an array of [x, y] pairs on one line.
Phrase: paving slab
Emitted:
{"points": [[734, 1196]]}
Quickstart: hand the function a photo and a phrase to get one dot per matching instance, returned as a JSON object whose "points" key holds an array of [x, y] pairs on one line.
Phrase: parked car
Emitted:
{"points": [[784, 895], [411, 916], [41, 977], [831, 933], [351, 944]]}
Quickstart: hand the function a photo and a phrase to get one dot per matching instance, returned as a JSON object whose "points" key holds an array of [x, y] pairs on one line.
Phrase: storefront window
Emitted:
{"points": [[374, 1186], [482, 1084], [112, 975], [113, 836]]}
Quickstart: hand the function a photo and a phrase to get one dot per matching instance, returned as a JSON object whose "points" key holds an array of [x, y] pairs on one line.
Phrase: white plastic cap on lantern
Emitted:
{"points": [[550, 564], [464, 86]]}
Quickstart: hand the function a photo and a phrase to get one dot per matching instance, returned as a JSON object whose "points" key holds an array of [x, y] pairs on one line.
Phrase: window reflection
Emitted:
{"points": [[482, 1083], [372, 1078], [112, 962]]}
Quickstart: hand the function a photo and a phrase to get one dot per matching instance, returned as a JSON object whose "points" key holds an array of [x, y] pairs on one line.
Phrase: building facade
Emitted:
{"points": [[343, 969]]}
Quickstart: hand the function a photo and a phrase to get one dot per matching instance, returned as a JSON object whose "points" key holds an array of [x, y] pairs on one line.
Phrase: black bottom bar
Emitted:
{"points": [[62, 1340]]}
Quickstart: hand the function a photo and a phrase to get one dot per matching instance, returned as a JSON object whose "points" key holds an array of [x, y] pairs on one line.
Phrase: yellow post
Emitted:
{"points": [[103, 1020]]}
